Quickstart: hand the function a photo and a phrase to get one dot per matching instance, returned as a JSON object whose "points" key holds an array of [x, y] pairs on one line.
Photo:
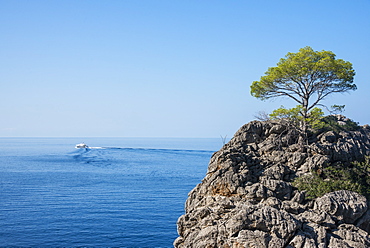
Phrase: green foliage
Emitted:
{"points": [[307, 77], [294, 115], [337, 108], [355, 177], [315, 120], [314, 117], [302, 74], [360, 173], [315, 186], [330, 123]]}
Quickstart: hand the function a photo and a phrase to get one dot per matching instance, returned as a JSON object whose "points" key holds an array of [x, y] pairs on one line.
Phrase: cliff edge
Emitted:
{"points": [[247, 198]]}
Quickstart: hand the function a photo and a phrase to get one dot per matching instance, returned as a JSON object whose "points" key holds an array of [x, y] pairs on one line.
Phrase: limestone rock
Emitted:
{"points": [[246, 198], [346, 206], [364, 221]]}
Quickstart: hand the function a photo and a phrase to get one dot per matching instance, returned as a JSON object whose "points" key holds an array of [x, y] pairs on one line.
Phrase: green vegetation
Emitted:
{"points": [[316, 121], [354, 177], [313, 119], [330, 123], [307, 77]]}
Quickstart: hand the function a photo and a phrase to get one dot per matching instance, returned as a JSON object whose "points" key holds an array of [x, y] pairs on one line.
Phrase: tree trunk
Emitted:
{"points": [[305, 123]]}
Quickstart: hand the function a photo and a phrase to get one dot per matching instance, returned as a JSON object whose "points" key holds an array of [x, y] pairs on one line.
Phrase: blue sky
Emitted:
{"points": [[162, 68]]}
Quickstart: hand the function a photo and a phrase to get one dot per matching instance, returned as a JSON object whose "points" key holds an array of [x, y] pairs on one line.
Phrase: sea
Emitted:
{"points": [[121, 192]]}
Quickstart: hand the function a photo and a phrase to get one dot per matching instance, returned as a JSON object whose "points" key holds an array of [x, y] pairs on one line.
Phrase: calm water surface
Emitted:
{"points": [[121, 193]]}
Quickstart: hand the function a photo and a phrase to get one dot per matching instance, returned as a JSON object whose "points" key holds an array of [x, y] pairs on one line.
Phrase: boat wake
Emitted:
{"points": [[108, 156]]}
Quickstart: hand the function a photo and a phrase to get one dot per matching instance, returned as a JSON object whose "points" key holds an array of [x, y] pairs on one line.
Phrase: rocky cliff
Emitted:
{"points": [[247, 198]]}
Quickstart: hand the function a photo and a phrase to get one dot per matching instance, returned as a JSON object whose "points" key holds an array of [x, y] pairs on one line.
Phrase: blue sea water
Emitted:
{"points": [[123, 192]]}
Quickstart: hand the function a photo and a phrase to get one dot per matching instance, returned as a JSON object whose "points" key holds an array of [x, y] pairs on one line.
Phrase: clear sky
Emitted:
{"points": [[165, 68]]}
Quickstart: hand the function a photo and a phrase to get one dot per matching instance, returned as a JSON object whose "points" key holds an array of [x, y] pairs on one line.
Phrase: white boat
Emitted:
{"points": [[81, 145]]}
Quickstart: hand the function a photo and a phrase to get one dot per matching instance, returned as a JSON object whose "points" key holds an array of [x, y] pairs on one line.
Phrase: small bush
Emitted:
{"points": [[315, 186], [294, 115], [330, 123], [355, 177]]}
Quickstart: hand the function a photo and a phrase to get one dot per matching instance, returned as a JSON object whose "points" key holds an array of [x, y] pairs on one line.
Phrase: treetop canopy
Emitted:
{"points": [[305, 75]]}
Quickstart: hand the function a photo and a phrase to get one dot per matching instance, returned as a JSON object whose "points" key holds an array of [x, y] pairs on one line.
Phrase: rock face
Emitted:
{"points": [[247, 200]]}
